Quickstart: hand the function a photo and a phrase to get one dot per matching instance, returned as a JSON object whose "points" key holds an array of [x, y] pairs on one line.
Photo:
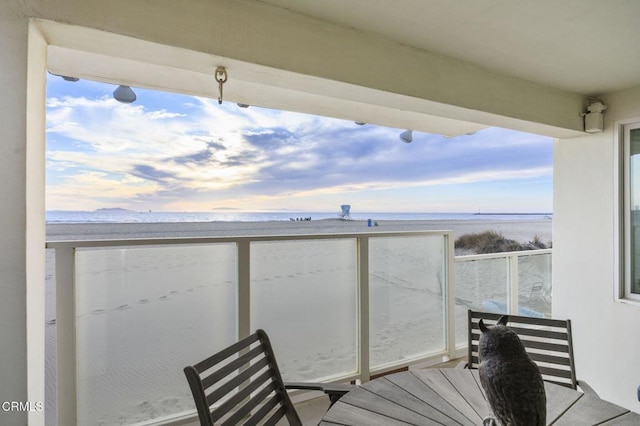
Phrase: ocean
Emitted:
{"points": [[128, 216]]}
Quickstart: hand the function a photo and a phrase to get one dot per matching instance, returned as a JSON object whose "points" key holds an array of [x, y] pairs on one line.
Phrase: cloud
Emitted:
{"points": [[147, 172], [171, 149], [162, 114], [201, 157], [343, 158]]}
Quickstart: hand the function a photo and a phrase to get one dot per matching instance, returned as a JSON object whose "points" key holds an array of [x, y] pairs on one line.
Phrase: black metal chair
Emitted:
{"points": [[243, 383], [548, 343]]}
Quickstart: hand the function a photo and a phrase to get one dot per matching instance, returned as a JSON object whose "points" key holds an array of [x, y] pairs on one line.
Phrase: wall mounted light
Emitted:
{"points": [[406, 136], [593, 120]]}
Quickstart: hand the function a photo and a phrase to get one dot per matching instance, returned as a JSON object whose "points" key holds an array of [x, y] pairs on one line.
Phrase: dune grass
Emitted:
{"points": [[494, 242]]}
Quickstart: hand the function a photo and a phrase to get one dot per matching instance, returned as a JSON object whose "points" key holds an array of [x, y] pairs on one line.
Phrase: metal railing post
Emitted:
{"points": [[514, 285], [363, 308], [450, 295], [244, 288], [66, 386]]}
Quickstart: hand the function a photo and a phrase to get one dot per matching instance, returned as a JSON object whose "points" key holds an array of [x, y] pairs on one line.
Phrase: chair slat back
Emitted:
{"points": [[548, 343], [241, 385]]}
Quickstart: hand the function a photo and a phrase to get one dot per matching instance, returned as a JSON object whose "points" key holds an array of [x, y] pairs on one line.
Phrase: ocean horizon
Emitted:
{"points": [[130, 216]]}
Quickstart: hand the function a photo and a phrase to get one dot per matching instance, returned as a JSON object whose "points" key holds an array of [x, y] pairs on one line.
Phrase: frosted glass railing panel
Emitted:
{"points": [[303, 294], [534, 276], [406, 294], [480, 285], [142, 315]]}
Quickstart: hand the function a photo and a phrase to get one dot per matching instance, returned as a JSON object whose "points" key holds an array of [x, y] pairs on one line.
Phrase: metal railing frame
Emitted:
{"points": [[513, 280], [66, 386]]}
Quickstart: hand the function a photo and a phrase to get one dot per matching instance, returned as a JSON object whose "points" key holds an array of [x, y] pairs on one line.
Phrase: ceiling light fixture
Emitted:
{"points": [[65, 77], [124, 94], [406, 136]]}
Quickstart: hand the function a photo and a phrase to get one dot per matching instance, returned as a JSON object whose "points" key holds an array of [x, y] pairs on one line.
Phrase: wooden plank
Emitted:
{"points": [[590, 410], [545, 346], [540, 332], [555, 372], [412, 393], [629, 419], [515, 319], [453, 396], [470, 389], [226, 353], [559, 399], [552, 359], [369, 400], [343, 413], [439, 383]]}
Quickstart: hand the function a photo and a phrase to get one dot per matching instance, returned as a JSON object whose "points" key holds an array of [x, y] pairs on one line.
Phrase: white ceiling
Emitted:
{"points": [[577, 48], [589, 47]]}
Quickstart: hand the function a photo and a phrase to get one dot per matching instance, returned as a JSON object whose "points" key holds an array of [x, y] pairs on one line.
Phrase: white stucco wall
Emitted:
{"points": [[606, 332], [22, 61], [13, 368]]}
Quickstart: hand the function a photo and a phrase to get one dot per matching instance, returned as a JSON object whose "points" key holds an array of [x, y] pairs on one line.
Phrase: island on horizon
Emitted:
{"points": [[113, 209]]}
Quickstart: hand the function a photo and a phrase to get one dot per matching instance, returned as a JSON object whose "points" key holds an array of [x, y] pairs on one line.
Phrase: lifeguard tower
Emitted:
{"points": [[346, 212]]}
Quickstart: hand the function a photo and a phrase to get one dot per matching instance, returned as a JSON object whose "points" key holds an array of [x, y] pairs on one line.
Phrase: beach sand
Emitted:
{"points": [[520, 230], [144, 313]]}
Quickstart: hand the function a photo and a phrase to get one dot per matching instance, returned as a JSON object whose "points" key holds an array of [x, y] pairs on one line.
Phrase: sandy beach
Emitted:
{"points": [[519, 230], [144, 313]]}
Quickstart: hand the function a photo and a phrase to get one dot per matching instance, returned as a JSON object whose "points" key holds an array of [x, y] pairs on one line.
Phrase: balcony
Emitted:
{"points": [[130, 314]]}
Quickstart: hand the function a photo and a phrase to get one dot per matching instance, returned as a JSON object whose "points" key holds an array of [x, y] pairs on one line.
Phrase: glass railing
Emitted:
{"points": [[132, 313], [518, 283], [407, 291]]}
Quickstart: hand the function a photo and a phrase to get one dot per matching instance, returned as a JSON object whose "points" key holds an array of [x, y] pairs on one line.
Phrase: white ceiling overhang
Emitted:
{"points": [[389, 84]]}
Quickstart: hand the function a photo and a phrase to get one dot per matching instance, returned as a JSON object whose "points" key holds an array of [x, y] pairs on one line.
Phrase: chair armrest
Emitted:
{"points": [[586, 389], [334, 390]]}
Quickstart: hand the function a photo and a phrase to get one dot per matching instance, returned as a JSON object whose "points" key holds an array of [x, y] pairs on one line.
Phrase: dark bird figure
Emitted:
{"points": [[510, 379]]}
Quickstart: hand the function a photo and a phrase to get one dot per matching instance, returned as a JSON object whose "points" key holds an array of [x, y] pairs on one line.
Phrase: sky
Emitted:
{"points": [[174, 153]]}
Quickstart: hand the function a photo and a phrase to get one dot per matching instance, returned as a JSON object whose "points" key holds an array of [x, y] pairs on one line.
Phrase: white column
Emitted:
{"points": [[21, 216], [35, 220]]}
